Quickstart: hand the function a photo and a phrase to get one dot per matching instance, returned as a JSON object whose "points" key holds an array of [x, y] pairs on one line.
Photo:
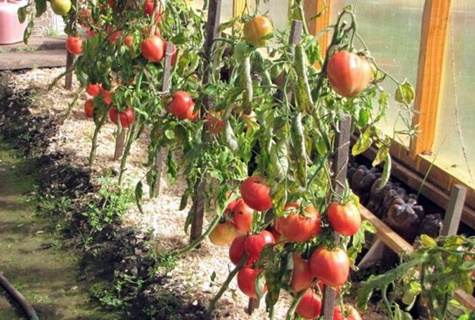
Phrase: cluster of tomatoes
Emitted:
{"points": [[326, 266], [150, 45]]}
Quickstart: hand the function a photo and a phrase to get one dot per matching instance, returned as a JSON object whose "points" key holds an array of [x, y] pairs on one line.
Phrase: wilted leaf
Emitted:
{"points": [[405, 93]]}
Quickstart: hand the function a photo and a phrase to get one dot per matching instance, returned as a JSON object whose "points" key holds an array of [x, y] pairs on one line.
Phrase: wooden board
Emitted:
{"points": [[32, 59], [398, 244]]}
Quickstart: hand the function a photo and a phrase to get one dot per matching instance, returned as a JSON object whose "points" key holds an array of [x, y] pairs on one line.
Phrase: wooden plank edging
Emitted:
{"points": [[399, 245]]}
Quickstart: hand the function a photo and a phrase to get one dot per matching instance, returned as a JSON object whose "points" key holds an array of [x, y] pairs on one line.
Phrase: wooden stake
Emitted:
{"points": [[68, 81], [454, 210], [119, 144], [214, 16], [340, 165], [165, 88]]}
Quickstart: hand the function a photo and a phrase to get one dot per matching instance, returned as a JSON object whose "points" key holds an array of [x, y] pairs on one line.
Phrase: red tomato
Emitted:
{"points": [[236, 250], [84, 17], [349, 313], [182, 106], [90, 33], [148, 7], [214, 124], [299, 228], [152, 49], [330, 266], [253, 246], [256, 194], [107, 95], [246, 279], [302, 276], [89, 108], [74, 45], [223, 234], [242, 216], [126, 117], [310, 306], [114, 36], [348, 74], [344, 219], [257, 31], [93, 89], [268, 236]]}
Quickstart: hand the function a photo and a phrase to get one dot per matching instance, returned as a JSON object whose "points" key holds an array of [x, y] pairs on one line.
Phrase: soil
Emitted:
{"points": [[33, 117]]}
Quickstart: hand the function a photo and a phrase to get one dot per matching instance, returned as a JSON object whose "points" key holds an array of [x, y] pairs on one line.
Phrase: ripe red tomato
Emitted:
{"points": [[256, 194], [299, 228], [332, 266], [114, 36], [349, 313], [89, 108], [126, 117], [236, 250], [310, 306], [242, 216], [223, 234], [214, 124], [84, 17], [74, 45], [302, 276], [93, 89], [148, 9], [257, 31], [344, 219], [246, 279], [182, 106], [152, 49], [253, 246], [348, 74], [107, 95]]}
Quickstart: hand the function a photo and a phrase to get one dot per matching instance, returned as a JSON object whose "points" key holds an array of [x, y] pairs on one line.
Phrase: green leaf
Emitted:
{"points": [[279, 158], [405, 93], [139, 195], [22, 13], [363, 143], [427, 241], [40, 6], [231, 137], [386, 171], [299, 152]]}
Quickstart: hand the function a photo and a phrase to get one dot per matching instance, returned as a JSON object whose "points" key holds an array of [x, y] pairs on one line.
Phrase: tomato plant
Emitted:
{"points": [[344, 218]]}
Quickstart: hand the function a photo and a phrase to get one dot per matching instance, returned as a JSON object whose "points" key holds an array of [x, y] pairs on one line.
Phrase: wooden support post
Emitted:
{"points": [[429, 76], [119, 144], [214, 17], [316, 25], [167, 66], [454, 210], [340, 166], [68, 81]]}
